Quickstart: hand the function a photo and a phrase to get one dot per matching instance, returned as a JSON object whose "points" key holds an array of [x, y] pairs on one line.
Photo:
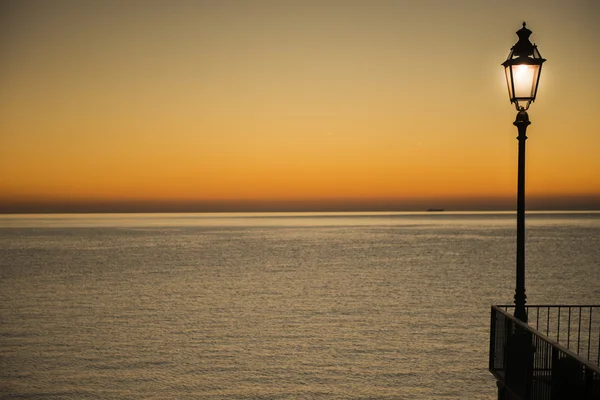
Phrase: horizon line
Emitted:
{"points": [[416, 204], [317, 211]]}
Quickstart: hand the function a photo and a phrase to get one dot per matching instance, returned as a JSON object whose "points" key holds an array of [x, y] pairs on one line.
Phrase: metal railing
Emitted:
{"points": [[575, 327], [531, 365]]}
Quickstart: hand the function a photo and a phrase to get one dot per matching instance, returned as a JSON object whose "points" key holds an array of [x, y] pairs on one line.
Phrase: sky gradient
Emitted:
{"points": [[292, 105]]}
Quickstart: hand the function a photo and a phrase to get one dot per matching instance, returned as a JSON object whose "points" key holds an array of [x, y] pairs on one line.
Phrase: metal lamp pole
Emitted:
{"points": [[521, 123], [523, 69]]}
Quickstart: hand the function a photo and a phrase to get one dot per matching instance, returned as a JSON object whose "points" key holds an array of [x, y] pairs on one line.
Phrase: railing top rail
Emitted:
{"points": [[560, 347], [551, 305]]}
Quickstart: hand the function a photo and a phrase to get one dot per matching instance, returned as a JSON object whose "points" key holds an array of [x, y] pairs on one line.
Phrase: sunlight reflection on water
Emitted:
{"points": [[382, 305]]}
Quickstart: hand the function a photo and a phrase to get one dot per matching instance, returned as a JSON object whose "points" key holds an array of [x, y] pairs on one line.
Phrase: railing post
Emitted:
{"points": [[554, 377], [589, 384], [519, 362], [493, 339]]}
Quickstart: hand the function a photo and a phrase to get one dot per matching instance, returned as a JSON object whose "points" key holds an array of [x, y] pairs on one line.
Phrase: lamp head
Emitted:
{"points": [[523, 69]]}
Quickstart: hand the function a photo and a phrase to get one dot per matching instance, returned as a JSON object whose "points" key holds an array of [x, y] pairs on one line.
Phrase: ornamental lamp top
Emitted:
{"points": [[523, 68]]}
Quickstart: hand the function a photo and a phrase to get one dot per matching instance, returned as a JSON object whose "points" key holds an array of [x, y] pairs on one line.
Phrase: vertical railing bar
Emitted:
{"points": [[547, 368], [548, 323], [528, 381], [579, 332], [537, 318], [543, 354], [507, 333], [541, 367], [549, 373], [547, 380], [549, 358], [590, 334], [569, 329], [598, 361], [558, 328], [536, 368]]}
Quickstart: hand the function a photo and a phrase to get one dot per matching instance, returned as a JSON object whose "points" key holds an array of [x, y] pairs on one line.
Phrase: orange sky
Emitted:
{"points": [[300, 104]]}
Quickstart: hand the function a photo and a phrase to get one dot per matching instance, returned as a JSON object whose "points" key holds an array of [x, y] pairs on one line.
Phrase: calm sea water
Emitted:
{"points": [[272, 306]]}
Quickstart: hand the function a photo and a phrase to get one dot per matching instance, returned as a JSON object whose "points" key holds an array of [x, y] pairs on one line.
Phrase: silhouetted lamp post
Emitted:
{"points": [[523, 68]]}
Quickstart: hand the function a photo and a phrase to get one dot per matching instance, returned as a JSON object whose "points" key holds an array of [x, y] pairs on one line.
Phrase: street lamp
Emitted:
{"points": [[523, 69]]}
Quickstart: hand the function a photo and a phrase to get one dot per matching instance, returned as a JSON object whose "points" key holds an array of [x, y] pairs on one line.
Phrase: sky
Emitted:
{"points": [[255, 105]]}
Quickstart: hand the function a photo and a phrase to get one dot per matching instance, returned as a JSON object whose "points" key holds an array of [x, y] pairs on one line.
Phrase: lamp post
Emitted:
{"points": [[523, 68]]}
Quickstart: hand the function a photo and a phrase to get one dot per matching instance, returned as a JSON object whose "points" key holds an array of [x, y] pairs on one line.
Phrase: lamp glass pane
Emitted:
{"points": [[509, 82], [536, 79], [524, 80]]}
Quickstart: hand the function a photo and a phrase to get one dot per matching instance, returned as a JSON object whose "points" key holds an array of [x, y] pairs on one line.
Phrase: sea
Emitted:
{"points": [[273, 305]]}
